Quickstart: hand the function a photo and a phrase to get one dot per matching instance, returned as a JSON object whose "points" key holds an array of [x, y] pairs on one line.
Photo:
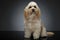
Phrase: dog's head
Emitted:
{"points": [[32, 8]]}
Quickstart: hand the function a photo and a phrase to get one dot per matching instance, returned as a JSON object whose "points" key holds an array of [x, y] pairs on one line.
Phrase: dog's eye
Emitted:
{"points": [[34, 6], [29, 7]]}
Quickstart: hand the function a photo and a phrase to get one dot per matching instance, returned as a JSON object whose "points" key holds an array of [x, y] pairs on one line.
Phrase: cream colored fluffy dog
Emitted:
{"points": [[33, 23]]}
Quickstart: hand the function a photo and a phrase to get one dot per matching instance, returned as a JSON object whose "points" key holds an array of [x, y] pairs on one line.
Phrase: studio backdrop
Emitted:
{"points": [[12, 14]]}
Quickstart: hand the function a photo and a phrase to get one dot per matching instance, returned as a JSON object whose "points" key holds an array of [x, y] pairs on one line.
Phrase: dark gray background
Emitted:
{"points": [[12, 11]]}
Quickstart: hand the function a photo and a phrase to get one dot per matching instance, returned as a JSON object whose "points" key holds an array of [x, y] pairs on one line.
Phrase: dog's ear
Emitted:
{"points": [[38, 13], [25, 13]]}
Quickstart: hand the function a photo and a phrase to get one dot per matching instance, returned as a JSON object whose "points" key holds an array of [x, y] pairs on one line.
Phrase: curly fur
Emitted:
{"points": [[32, 21]]}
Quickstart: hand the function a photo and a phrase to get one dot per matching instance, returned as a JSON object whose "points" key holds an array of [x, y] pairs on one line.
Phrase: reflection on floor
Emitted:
{"points": [[38, 39], [47, 38], [19, 35]]}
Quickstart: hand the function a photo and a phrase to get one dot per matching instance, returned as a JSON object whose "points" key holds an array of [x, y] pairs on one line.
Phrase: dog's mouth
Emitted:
{"points": [[33, 13], [33, 10]]}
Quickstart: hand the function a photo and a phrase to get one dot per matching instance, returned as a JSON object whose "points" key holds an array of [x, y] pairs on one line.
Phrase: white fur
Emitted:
{"points": [[33, 26]]}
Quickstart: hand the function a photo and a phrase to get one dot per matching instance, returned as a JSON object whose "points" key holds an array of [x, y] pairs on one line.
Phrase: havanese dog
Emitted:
{"points": [[33, 23]]}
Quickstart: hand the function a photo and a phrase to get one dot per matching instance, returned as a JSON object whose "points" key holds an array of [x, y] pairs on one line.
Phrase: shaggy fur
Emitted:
{"points": [[32, 21]]}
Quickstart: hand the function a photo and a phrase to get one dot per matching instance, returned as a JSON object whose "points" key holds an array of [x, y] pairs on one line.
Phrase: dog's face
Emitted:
{"points": [[32, 8]]}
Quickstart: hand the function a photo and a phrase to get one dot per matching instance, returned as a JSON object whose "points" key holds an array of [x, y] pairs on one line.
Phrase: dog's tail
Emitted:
{"points": [[50, 34]]}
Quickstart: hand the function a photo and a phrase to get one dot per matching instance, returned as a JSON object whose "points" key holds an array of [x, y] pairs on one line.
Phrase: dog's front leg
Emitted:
{"points": [[43, 32], [36, 33], [27, 33]]}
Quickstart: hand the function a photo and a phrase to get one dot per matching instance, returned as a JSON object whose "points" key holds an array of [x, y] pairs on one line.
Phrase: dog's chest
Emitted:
{"points": [[32, 18], [34, 24]]}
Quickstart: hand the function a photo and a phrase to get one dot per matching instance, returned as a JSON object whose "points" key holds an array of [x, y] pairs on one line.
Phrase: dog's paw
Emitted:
{"points": [[35, 36], [26, 36]]}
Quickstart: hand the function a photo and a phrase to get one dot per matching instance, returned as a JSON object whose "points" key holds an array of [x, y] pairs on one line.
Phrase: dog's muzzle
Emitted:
{"points": [[33, 10]]}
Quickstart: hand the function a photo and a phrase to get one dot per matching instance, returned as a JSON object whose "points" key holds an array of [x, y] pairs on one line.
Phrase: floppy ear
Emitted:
{"points": [[38, 13], [25, 13]]}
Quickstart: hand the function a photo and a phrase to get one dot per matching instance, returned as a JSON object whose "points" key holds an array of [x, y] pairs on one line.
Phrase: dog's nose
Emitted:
{"points": [[32, 10]]}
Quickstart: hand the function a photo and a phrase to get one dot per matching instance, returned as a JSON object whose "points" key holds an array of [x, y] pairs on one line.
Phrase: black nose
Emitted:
{"points": [[33, 10]]}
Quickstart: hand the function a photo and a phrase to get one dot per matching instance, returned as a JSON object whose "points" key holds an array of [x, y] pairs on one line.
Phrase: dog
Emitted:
{"points": [[33, 23]]}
